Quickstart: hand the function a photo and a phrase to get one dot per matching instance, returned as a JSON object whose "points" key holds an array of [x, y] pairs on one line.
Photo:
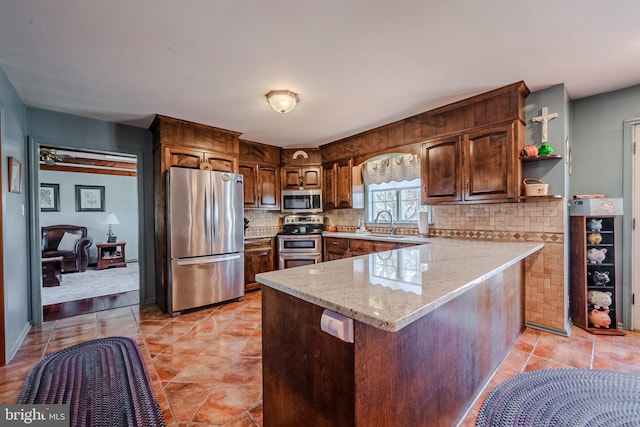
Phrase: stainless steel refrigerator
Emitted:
{"points": [[205, 237]]}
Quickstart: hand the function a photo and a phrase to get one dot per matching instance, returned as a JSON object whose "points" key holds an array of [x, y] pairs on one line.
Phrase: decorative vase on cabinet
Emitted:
{"points": [[595, 278]]}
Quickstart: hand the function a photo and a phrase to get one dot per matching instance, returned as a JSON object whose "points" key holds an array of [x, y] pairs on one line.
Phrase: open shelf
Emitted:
{"points": [[538, 158], [547, 197]]}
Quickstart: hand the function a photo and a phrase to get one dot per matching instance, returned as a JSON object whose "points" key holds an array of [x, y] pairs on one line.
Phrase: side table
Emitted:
{"points": [[52, 271], [111, 255]]}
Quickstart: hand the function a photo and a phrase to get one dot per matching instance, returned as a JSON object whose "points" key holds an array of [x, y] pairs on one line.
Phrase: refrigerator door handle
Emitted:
{"points": [[208, 259], [207, 218], [216, 214]]}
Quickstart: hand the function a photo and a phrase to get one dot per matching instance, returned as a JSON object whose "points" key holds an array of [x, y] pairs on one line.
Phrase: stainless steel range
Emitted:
{"points": [[300, 242]]}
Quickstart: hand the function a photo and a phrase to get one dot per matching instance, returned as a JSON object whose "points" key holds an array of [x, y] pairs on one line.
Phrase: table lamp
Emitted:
{"points": [[110, 218]]}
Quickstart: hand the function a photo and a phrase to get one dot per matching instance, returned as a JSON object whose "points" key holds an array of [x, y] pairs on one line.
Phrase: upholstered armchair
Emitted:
{"points": [[70, 242]]}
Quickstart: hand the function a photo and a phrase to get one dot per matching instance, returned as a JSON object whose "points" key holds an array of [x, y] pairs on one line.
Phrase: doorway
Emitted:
{"points": [[97, 191]]}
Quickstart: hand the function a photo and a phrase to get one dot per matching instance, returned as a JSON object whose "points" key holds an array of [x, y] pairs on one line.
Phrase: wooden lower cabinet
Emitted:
{"points": [[339, 248], [335, 248], [365, 247], [259, 257]]}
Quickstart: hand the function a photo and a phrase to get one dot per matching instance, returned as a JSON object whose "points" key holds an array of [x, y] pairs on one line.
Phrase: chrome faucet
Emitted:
{"points": [[392, 227]]}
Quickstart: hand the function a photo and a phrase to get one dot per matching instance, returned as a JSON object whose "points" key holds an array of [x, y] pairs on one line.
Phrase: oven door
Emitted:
{"points": [[300, 243], [297, 259]]}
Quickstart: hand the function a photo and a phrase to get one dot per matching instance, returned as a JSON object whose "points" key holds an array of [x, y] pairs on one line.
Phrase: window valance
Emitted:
{"points": [[403, 167]]}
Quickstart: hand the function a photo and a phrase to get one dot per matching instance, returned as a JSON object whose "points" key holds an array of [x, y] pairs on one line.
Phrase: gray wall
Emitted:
{"points": [[121, 198], [552, 172], [597, 140], [602, 161], [14, 223]]}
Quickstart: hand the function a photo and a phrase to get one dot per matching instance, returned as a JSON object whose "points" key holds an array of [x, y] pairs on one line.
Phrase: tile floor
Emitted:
{"points": [[206, 365]]}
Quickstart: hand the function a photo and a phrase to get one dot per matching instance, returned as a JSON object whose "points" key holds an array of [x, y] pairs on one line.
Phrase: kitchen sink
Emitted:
{"points": [[390, 236]]}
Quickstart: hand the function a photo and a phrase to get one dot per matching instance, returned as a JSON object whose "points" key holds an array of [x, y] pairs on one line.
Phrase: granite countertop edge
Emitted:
{"points": [[398, 238], [337, 298]]}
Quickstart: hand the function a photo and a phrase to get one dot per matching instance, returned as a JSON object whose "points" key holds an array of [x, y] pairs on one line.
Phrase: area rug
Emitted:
{"points": [[93, 283], [564, 397], [104, 381]]}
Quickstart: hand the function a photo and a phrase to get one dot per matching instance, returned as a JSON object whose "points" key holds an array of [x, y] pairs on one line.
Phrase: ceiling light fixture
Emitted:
{"points": [[282, 101]]}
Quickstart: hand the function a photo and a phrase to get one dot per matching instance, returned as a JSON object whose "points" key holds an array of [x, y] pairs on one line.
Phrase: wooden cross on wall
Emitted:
{"points": [[544, 119]]}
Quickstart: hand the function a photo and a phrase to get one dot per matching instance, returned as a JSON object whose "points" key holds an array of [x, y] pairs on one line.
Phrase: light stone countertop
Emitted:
{"points": [[259, 236], [389, 290], [400, 238]]}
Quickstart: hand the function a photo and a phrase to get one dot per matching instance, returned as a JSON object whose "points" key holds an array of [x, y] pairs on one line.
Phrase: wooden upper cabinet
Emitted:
{"points": [[329, 177], [268, 187], [181, 156], [478, 166], [221, 161], [188, 144], [261, 186], [250, 183], [344, 183], [261, 175], [441, 170], [337, 184], [309, 177], [193, 157], [490, 163]]}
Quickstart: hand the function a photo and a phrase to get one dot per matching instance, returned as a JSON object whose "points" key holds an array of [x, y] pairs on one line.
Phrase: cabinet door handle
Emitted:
{"points": [[466, 185]]}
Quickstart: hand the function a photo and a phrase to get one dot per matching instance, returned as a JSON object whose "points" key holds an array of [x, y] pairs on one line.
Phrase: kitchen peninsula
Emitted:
{"points": [[431, 323]]}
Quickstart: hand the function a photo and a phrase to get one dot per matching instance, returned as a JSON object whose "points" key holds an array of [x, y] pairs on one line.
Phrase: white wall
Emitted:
{"points": [[121, 198]]}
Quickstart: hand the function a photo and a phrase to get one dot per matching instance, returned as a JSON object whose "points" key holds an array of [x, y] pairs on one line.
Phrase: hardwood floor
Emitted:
{"points": [[89, 305]]}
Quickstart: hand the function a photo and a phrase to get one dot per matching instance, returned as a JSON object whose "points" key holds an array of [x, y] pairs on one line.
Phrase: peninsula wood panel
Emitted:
{"points": [[307, 373], [427, 373]]}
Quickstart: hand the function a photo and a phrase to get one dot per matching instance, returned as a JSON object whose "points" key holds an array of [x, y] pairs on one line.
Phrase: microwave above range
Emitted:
{"points": [[301, 201]]}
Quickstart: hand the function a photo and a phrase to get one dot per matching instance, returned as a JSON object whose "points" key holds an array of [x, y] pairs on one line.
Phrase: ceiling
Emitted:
{"points": [[357, 64]]}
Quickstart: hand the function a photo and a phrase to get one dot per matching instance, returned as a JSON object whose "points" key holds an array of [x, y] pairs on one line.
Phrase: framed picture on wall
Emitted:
{"points": [[49, 197], [15, 175], [89, 198]]}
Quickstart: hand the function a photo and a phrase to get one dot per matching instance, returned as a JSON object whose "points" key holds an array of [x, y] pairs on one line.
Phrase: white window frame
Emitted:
{"points": [[397, 186]]}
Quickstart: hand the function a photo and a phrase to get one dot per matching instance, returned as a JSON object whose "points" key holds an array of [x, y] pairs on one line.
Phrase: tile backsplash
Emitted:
{"points": [[546, 302]]}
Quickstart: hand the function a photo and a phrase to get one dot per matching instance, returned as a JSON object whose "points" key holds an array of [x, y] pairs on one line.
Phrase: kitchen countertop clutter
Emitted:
{"points": [[389, 290]]}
